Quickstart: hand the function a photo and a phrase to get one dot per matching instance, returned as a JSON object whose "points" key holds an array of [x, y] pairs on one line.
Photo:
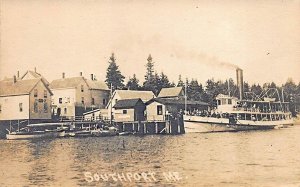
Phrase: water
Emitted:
{"points": [[258, 158]]}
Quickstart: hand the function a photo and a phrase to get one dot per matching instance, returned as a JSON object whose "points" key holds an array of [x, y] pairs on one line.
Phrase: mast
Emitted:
{"points": [[228, 88], [185, 97]]}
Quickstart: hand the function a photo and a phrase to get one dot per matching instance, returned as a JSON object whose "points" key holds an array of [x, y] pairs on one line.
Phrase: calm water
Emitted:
{"points": [[260, 158]]}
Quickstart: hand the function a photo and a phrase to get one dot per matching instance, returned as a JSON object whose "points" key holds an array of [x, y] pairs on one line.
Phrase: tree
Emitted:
{"points": [[113, 74], [133, 83], [149, 83], [164, 81], [180, 82], [195, 91]]}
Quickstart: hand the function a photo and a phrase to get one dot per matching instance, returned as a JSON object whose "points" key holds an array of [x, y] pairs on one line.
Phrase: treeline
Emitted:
{"points": [[155, 81]]}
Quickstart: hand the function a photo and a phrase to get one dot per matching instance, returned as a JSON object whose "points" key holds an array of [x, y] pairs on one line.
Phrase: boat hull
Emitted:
{"points": [[27, 136], [194, 124]]}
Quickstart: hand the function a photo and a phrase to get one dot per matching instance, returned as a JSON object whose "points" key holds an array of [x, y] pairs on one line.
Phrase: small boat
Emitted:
{"points": [[35, 131], [105, 131]]}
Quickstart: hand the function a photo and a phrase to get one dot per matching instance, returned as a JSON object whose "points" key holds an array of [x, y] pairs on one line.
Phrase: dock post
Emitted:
{"points": [[156, 128], [123, 127], [145, 128], [132, 127]]}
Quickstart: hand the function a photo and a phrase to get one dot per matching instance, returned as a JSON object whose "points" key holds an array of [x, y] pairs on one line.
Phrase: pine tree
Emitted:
{"points": [[133, 83], [180, 82], [150, 80], [113, 74]]}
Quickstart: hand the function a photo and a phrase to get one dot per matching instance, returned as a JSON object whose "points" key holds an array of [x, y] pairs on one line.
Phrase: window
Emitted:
{"points": [[35, 106], [68, 99], [159, 110], [45, 107], [218, 102], [60, 100], [65, 110], [93, 101], [82, 100], [35, 92], [45, 94], [82, 88], [116, 100], [229, 101], [21, 107], [104, 102], [0, 108], [124, 111]]}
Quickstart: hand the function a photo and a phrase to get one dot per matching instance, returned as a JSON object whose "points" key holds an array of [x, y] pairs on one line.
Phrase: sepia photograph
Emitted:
{"points": [[150, 93]]}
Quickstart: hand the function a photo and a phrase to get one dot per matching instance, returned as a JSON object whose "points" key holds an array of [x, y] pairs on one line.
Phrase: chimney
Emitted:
{"points": [[15, 79], [92, 76], [240, 82], [63, 75], [80, 74], [34, 69], [18, 74]]}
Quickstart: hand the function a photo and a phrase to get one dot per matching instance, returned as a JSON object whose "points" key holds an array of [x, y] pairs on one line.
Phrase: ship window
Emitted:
{"points": [[159, 110], [65, 110], [82, 100], [82, 88], [35, 92], [21, 107], [124, 111], [60, 100], [93, 101], [0, 108], [229, 101]]}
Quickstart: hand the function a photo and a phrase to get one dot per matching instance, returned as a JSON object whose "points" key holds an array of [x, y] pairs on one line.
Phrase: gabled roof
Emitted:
{"points": [[128, 103], [134, 94], [96, 85], [72, 82], [20, 87], [169, 101], [170, 92], [35, 75]]}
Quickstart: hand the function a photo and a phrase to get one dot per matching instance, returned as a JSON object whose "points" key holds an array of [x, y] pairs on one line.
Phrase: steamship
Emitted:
{"points": [[238, 114]]}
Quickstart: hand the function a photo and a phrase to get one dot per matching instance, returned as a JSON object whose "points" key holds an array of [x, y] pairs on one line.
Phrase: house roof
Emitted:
{"points": [[127, 103], [170, 92], [169, 101], [134, 94], [73, 82], [35, 75], [96, 85], [21, 87]]}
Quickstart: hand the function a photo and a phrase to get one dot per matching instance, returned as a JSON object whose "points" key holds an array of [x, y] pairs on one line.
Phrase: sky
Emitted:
{"points": [[197, 39]]}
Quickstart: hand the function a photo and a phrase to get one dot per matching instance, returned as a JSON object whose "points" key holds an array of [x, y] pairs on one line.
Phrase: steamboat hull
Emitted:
{"points": [[196, 126]]}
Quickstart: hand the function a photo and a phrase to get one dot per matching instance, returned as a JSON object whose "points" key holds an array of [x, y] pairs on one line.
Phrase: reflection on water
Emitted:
{"points": [[258, 158]]}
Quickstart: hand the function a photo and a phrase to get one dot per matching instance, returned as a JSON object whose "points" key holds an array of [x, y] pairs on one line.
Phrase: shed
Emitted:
{"points": [[129, 110]]}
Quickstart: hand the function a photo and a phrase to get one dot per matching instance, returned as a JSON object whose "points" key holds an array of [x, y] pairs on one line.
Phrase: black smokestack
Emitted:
{"points": [[240, 82]]}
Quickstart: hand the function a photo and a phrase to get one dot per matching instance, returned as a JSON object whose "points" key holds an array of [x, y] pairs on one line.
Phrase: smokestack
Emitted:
{"points": [[18, 74], [15, 79], [92, 76], [35, 69], [63, 75], [80, 74], [240, 82]]}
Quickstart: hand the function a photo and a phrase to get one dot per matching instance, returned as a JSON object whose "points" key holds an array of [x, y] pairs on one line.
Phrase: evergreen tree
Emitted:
{"points": [[180, 82], [150, 81], [133, 83], [195, 91], [113, 74], [164, 81]]}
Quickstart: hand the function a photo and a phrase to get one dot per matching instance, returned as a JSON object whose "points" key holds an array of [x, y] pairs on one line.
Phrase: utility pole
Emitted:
{"points": [[185, 97], [111, 103]]}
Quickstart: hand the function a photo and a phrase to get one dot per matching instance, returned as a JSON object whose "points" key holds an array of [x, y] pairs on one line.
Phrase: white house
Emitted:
{"points": [[24, 99], [77, 95]]}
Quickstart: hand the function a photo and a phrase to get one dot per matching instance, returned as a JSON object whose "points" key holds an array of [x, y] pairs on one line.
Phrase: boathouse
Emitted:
{"points": [[174, 93], [129, 110], [127, 95], [76, 95], [25, 99]]}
